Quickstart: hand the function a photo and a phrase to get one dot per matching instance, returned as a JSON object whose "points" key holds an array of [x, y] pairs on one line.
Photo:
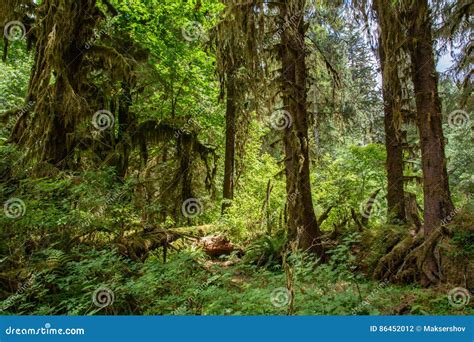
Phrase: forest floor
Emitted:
{"points": [[231, 287], [191, 283], [257, 282]]}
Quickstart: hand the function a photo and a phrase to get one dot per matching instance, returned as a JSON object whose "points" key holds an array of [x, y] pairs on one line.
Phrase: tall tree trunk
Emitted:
{"points": [[185, 147], [437, 197], [302, 222], [62, 31], [394, 163], [126, 121], [229, 162], [393, 138]]}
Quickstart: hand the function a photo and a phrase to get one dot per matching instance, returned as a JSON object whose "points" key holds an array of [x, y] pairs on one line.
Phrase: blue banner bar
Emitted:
{"points": [[237, 329]]}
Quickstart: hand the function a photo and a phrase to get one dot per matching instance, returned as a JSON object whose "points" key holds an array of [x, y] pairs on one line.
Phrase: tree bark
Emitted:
{"points": [[185, 150], [229, 162], [55, 82], [393, 137], [126, 121], [394, 164], [302, 223], [437, 197]]}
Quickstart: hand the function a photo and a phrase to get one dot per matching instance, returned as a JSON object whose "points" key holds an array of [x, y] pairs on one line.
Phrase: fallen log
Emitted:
{"points": [[138, 245]]}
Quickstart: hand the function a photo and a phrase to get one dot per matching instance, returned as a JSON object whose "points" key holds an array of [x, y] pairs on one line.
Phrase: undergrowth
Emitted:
{"points": [[191, 284]]}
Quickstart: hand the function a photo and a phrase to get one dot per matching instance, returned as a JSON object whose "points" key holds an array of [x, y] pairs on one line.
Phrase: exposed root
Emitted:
{"points": [[391, 262], [421, 265], [413, 260]]}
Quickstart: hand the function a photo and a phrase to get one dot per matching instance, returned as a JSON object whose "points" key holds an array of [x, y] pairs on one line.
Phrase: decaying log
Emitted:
{"points": [[138, 245], [216, 245]]}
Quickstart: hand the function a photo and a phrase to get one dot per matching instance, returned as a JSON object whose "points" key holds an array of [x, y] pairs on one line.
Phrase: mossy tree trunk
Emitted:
{"points": [[392, 110], [62, 31], [302, 222], [126, 126], [229, 163], [414, 259], [437, 197]]}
